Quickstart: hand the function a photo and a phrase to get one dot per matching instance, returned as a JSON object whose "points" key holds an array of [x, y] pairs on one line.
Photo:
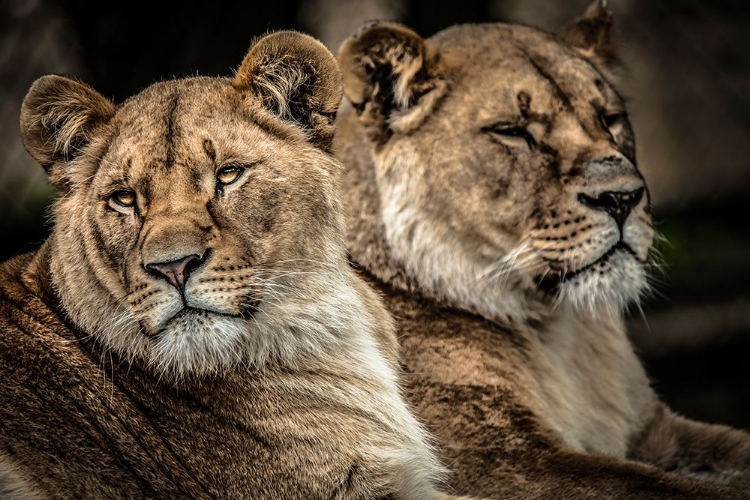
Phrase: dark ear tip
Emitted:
{"points": [[377, 24], [363, 28], [295, 77], [373, 32], [37, 96], [599, 11]]}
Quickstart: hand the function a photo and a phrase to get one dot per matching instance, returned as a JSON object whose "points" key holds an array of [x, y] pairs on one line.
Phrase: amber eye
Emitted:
{"points": [[123, 198], [229, 174]]}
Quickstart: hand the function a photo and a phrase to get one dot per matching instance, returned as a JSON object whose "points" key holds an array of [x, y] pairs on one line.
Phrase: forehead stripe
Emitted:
{"points": [[209, 149], [171, 130], [556, 89]]}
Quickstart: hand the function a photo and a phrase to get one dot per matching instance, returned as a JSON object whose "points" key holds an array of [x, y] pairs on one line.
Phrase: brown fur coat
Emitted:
{"points": [[105, 429], [468, 380]]}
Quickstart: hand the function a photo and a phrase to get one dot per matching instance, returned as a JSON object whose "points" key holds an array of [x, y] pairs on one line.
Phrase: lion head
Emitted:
{"points": [[198, 224], [504, 161]]}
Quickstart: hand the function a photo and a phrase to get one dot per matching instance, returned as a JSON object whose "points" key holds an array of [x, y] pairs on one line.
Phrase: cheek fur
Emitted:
{"points": [[254, 211], [114, 234]]}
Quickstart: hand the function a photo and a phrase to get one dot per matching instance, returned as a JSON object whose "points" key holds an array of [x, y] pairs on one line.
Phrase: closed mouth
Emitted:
{"points": [[187, 310], [551, 281]]}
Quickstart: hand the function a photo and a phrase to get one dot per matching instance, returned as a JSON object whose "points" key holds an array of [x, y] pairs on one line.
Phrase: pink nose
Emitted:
{"points": [[177, 271]]}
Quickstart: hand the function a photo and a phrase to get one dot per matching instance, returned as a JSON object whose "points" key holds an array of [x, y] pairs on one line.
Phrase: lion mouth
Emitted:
{"points": [[553, 280], [247, 312], [188, 313]]}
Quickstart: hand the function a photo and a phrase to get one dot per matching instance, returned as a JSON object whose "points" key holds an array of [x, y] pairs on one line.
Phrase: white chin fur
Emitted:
{"points": [[315, 316], [610, 286], [283, 330], [199, 344]]}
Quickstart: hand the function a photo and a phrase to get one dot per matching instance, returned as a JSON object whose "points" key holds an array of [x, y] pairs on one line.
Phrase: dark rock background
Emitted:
{"points": [[689, 90]]}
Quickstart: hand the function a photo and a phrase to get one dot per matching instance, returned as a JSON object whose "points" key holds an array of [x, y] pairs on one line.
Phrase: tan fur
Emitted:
{"points": [[12, 485], [263, 369], [499, 200]]}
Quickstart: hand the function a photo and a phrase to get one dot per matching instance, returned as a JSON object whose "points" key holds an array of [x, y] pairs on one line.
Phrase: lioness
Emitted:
{"points": [[191, 328], [492, 193]]}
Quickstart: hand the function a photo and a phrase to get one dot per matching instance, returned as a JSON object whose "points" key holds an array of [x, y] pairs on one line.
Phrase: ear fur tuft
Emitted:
{"points": [[387, 76], [59, 117], [297, 79]]}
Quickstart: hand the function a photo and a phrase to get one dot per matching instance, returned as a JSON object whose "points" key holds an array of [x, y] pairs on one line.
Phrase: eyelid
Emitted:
{"points": [[232, 170], [240, 168], [515, 130], [612, 116], [113, 198], [240, 164]]}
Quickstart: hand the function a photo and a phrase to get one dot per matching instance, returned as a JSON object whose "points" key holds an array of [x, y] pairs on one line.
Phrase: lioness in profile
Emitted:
{"points": [[492, 194], [191, 328]]}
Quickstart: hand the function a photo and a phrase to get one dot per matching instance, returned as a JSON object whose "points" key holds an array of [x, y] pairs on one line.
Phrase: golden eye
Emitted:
{"points": [[124, 198], [227, 175]]}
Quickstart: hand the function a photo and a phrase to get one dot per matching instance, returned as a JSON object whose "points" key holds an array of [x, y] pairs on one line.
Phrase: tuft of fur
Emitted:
{"points": [[59, 117]]}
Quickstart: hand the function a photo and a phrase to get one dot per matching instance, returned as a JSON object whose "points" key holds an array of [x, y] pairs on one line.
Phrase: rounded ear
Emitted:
{"points": [[297, 79], [593, 34], [59, 117], [388, 76]]}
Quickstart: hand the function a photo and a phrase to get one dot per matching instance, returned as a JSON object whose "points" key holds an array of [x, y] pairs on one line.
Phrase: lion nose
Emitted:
{"points": [[176, 272], [617, 204]]}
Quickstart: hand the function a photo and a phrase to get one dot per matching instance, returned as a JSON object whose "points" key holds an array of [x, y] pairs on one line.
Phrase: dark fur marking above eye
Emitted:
{"points": [[524, 103], [208, 147], [143, 188], [556, 88], [171, 131]]}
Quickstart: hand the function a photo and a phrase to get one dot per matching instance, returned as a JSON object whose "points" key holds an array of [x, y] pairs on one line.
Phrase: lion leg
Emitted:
{"points": [[694, 449]]}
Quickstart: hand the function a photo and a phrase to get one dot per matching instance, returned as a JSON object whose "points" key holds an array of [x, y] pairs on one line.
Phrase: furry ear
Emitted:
{"points": [[59, 117], [593, 34], [297, 79], [389, 77]]}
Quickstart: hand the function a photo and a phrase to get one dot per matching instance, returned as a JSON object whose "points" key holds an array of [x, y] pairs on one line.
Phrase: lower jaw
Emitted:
{"points": [[551, 284], [187, 312]]}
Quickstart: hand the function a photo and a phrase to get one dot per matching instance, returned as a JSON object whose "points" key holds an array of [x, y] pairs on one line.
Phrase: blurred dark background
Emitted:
{"points": [[689, 90]]}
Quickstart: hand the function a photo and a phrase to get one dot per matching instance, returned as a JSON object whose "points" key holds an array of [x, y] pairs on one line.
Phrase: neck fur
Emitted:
{"points": [[424, 261]]}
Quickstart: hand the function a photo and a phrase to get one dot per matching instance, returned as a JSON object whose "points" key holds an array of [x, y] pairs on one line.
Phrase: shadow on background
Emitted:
{"points": [[689, 88]]}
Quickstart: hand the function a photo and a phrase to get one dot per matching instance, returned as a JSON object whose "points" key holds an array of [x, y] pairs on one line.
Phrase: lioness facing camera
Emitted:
{"points": [[191, 328], [493, 195]]}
